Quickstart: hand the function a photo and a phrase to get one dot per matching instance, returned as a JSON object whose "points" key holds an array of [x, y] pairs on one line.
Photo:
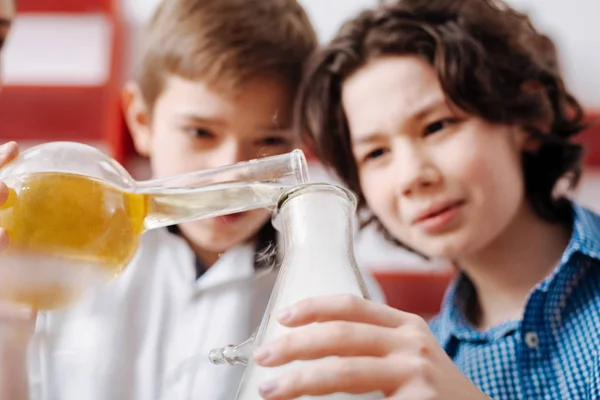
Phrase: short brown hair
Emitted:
{"points": [[226, 41], [491, 62]]}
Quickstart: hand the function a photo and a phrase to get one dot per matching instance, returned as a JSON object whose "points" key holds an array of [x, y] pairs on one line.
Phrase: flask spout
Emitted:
{"points": [[220, 191], [233, 354]]}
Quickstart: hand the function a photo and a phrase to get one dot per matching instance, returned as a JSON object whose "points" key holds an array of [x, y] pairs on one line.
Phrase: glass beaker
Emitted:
{"points": [[75, 216], [316, 225]]}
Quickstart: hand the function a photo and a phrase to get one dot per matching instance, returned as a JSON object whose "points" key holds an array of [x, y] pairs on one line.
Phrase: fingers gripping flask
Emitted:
{"points": [[315, 221]]}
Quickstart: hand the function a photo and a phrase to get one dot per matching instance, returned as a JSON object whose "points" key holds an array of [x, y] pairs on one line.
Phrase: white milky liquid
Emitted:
{"points": [[318, 265]]}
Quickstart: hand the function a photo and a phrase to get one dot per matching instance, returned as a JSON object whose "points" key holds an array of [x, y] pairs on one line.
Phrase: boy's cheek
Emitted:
{"points": [[381, 199], [168, 162], [496, 171], [466, 169], [173, 154]]}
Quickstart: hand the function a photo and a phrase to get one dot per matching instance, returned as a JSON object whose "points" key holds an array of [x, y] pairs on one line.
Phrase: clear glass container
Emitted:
{"points": [[315, 221], [75, 216]]}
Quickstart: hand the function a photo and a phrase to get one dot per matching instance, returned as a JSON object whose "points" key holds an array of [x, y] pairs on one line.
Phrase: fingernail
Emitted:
{"points": [[24, 312], [262, 354], [284, 315], [6, 148], [17, 311], [269, 389], [3, 239]]}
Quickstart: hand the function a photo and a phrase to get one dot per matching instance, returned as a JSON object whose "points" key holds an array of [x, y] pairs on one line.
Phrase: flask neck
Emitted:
{"points": [[317, 217], [289, 169], [175, 206], [220, 191]]}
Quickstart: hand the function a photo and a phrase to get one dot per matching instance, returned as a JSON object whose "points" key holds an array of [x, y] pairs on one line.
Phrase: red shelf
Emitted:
{"points": [[42, 113], [591, 140], [416, 291], [53, 113], [66, 6]]}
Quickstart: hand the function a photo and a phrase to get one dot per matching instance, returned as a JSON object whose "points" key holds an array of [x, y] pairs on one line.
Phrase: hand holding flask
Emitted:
{"points": [[321, 337]]}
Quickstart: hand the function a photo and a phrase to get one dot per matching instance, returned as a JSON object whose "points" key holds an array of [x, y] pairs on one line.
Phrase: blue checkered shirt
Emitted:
{"points": [[553, 352]]}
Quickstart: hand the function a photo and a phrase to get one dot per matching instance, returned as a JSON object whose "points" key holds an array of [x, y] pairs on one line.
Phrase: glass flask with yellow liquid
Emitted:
{"points": [[75, 217]]}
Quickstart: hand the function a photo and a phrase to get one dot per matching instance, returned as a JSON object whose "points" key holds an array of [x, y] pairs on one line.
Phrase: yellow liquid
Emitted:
{"points": [[69, 232], [66, 232]]}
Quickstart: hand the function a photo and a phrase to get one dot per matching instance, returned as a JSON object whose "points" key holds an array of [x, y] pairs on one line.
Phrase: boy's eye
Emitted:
{"points": [[201, 133], [273, 141], [438, 126], [376, 153]]}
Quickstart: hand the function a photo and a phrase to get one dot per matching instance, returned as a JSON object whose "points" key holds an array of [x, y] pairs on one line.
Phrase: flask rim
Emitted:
{"points": [[305, 188], [299, 165]]}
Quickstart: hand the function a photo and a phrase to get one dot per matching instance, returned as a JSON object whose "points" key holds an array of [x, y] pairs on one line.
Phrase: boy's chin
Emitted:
{"points": [[451, 247], [222, 223], [221, 234], [215, 242], [230, 219]]}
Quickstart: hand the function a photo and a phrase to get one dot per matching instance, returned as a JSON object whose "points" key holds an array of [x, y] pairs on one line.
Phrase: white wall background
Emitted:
{"points": [[574, 25], [73, 50]]}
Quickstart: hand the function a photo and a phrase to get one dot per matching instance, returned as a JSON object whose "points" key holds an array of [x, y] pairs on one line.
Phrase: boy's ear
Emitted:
{"points": [[530, 143], [137, 117]]}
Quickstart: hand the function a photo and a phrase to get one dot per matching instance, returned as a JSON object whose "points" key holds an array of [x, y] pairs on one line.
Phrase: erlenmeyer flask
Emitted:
{"points": [[316, 225], [75, 216]]}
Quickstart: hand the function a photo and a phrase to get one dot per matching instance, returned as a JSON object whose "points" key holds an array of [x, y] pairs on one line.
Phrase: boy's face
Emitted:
{"points": [[443, 182], [195, 126]]}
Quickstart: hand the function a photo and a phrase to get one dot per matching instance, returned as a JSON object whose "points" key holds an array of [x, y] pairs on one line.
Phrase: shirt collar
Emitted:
{"points": [[198, 263], [454, 323], [266, 238], [585, 239]]}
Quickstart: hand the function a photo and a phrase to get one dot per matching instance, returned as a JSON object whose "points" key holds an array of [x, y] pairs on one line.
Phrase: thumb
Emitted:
{"points": [[16, 312]]}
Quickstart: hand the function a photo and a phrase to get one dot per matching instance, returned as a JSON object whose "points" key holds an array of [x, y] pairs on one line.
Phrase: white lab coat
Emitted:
{"points": [[147, 335]]}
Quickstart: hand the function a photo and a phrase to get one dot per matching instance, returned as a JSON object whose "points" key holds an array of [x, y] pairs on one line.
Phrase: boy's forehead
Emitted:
{"points": [[403, 83], [259, 98], [230, 86]]}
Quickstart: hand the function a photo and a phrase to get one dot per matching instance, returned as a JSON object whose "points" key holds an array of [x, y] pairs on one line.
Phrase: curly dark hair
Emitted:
{"points": [[491, 62]]}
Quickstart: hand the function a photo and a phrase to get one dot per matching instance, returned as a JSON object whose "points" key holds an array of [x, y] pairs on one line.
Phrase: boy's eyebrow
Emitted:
{"points": [[419, 114], [276, 130], [195, 117], [368, 138], [428, 106]]}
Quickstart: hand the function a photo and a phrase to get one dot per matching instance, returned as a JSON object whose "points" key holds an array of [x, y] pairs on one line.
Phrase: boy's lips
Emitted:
{"points": [[230, 218], [438, 216]]}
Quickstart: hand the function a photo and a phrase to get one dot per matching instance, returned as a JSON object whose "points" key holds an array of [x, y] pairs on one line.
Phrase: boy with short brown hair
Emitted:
{"points": [[215, 86]]}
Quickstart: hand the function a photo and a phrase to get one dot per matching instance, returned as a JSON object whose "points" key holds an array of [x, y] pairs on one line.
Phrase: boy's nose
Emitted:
{"points": [[414, 173], [228, 154]]}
